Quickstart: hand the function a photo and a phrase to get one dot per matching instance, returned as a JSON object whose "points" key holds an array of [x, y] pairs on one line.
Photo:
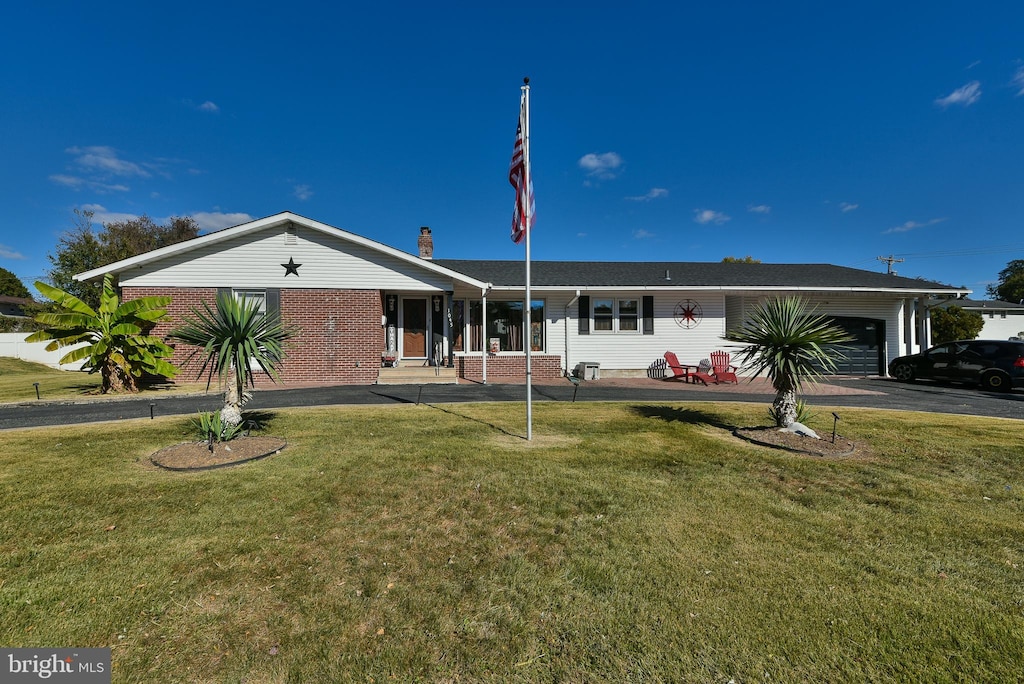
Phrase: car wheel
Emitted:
{"points": [[903, 372], [995, 382]]}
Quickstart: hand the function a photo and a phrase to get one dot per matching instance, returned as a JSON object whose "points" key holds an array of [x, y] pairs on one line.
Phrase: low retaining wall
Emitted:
{"points": [[542, 366]]}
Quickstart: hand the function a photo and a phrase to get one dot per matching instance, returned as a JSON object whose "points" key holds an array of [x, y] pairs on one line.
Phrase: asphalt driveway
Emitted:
{"points": [[882, 393]]}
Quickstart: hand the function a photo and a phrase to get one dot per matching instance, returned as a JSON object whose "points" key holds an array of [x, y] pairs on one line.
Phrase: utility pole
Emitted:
{"points": [[889, 261]]}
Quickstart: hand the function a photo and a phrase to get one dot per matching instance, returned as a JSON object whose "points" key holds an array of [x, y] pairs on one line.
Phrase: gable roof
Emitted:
{"points": [[570, 275], [661, 275], [987, 305], [285, 217]]}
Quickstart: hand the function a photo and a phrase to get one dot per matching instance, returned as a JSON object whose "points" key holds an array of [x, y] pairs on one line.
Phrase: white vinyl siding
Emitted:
{"points": [[1003, 327], [255, 261], [634, 351]]}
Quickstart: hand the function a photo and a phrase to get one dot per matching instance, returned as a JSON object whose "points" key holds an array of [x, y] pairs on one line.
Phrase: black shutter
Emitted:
{"points": [[648, 315], [274, 302], [584, 315], [226, 291]]}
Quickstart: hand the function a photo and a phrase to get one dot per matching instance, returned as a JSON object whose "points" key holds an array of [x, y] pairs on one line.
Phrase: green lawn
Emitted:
{"points": [[17, 378], [628, 542]]}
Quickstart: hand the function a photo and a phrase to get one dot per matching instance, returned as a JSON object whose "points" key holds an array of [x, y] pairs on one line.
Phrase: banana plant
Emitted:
{"points": [[116, 338]]}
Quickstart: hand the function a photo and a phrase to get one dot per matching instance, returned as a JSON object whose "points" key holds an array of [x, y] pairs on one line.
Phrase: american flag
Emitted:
{"points": [[519, 177]]}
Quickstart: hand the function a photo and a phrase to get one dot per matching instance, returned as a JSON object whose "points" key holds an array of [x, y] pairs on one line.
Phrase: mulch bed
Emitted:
{"points": [[790, 441], [198, 456]]}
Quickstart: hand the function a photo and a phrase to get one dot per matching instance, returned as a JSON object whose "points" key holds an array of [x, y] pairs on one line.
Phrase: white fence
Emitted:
{"points": [[14, 345]]}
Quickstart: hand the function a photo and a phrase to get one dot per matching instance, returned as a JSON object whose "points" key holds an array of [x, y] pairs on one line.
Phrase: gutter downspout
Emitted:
{"points": [[565, 317]]}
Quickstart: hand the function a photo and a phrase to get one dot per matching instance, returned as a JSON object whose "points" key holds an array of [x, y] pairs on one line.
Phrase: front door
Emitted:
{"points": [[414, 328]]}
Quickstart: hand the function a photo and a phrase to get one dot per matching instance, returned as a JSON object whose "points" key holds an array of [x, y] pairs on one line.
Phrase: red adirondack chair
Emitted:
{"points": [[721, 368], [686, 372]]}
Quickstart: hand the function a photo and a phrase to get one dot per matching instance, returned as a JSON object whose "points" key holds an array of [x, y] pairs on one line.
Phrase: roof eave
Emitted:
{"points": [[732, 288]]}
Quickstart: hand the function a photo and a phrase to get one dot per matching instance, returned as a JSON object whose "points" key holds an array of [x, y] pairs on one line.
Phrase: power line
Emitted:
{"points": [[964, 252], [950, 253]]}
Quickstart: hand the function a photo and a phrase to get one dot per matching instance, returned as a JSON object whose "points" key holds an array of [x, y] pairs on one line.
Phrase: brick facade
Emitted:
{"points": [[340, 338]]}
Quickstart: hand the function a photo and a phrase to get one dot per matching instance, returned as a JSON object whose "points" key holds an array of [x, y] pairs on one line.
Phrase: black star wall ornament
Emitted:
{"points": [[291, 267]]}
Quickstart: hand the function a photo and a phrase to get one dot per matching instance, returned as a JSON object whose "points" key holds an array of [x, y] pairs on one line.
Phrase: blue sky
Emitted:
{"points": [[790, 132]]}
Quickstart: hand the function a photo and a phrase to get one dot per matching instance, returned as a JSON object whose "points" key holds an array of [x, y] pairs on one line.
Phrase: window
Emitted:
{"points": [[537, 325], [629, 315], [617, 315], [504, 326], [604, 315], [247, 297], [476, 326]]}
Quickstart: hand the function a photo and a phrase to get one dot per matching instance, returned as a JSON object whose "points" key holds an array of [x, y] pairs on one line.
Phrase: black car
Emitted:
{"points": [[996, 365]]}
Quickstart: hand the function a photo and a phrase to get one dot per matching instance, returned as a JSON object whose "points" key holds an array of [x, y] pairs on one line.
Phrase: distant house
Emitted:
{"points": [[361, 304], [13, 307], [1003, 320]]}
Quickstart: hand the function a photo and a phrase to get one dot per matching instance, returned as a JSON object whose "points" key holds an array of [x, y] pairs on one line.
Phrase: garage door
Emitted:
{"points": [[865, 355]]}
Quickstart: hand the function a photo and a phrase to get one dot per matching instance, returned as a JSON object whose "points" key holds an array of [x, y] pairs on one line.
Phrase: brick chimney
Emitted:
{"points": [[426, 243]]}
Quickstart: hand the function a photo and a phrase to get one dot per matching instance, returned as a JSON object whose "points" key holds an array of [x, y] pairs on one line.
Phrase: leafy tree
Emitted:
{"points": [[81, 249], [229, 339], [118, 345], [1010, 287], [740, 260], [792, 343], [954, 323], [124, 239], [11, 285]]}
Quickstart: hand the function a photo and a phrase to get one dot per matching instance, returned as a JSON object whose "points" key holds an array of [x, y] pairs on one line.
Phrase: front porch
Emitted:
{"points": [[417, 375]]}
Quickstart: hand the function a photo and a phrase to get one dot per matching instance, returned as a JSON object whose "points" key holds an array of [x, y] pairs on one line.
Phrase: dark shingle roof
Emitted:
{"points": [[987, 304], [683, 274]]}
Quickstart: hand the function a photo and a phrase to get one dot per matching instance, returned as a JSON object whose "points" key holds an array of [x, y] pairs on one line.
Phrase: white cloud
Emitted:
{"points": [[104, 160], [1018, 81], [302, 192], [77, 183], [73, 182], [653, 193], [912, 225], [207, 220], [965, 96], [8, 253], [706, 216], [208, 107], [216, 220], [759, 209], [604, 166], [641, 234], [847, 207], [100, 214]]}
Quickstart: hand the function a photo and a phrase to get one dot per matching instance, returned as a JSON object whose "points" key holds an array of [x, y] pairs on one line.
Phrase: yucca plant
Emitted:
{"points": [[209, 426], [118, 345], [793, 344], [231, 338]]}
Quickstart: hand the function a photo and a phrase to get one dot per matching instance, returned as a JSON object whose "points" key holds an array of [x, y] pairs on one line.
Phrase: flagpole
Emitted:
{"points": [[528, 305]]}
